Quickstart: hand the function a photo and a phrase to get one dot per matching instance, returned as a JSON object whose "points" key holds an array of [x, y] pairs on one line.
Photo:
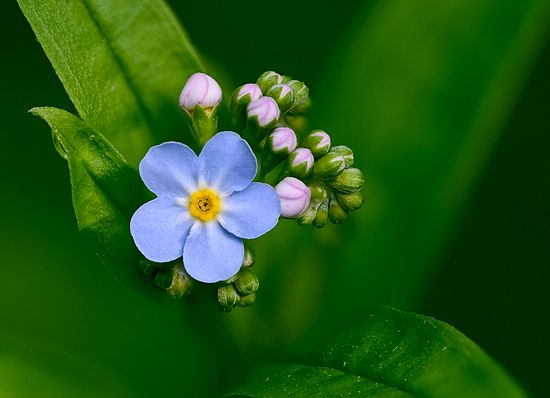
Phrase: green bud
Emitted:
{"points": [[249, 256], [336, 213], [318, 142], [228, 297], [301, 95], [321, 218], [247, 282], [269, 79], [350, 201], [247, 301], [318, 195], [174, 281], [329, 166], [286, 79], [346, 152], [350, 180], [283, 96]]}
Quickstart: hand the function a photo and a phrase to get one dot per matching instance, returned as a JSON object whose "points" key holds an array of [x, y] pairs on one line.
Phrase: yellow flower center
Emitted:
{"points": [[204, 205]]}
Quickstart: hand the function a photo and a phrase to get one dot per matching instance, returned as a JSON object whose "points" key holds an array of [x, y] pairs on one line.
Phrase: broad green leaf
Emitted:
{"points": [[105, 190], [122, 63], [390, 353]]}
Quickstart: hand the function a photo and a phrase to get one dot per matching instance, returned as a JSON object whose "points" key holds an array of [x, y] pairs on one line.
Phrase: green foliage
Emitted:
{"points": [[123, 64], [421, 91], [452, 88], [53, 375], [389, 353], [105, 190]]}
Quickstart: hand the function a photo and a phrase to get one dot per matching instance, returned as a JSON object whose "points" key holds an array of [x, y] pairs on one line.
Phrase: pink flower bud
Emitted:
{"points": [[294, 196], [200, 89], [250, 89], [266, 111], [300, 162], [282, 140]]}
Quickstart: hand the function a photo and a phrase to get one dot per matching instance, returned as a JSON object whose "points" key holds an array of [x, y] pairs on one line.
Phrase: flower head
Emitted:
{"points": [[200, 89], [205, 206]]}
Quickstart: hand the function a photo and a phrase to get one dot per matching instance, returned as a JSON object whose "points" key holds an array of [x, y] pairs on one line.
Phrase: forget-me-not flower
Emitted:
{"points": [[205, 206]]}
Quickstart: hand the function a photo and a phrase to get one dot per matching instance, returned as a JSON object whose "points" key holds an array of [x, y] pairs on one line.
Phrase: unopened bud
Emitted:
{"points": [[300, 162], [249, 257], [336, 213], [350, 201], [282, 141], [294, 196], [202, 91], [346, 152], [329, 166], [247, 282], [174, 281], [264, 113], [200, 98], [283, 96], [319, 195], [321, 218], [318, 143], [247, 301], [241, 97], [228, 297], [301, 95], [350, 180], [268, 80], [248, 92]]}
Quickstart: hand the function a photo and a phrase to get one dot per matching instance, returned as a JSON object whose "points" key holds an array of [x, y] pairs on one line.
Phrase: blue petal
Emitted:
{"points": [[211, 254], [227, 163], [159, 229], [252, 212], [170, 169]]}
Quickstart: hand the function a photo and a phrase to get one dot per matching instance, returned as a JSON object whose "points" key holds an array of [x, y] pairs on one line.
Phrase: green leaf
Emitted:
{"points": [[123, 64], [426, 100], [105, 190], [390, 353]]}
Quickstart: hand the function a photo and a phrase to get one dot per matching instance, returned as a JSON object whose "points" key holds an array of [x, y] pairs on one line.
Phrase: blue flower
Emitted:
{"points": [[205, 206]]}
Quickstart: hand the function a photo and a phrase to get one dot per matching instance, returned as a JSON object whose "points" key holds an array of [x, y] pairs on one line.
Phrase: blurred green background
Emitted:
{"points": [[410, 88]]}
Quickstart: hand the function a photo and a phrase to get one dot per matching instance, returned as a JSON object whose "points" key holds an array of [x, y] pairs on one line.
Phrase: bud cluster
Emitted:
{"points": [[258, 107], [318, 182], [240, 291], [336, 186], [315, 180]]}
